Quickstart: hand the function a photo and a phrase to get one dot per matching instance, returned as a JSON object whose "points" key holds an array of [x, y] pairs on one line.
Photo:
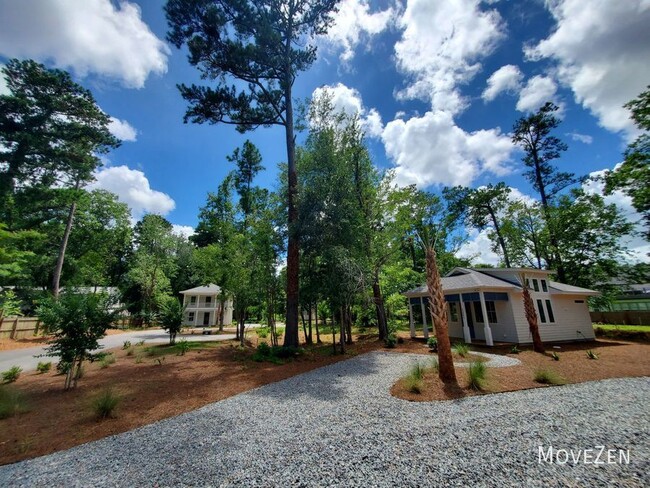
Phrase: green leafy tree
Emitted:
{"points": [[171, 317], [633, 175], [533, 133], [10, 304], [262, 46], [14, 254], [524, 231], [54, 132], [480, 208], [153, 265], [77, 322]]}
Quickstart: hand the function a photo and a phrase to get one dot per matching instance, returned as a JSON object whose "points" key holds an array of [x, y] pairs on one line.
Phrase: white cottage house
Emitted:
{"points": [[202, 307], [486, 304]]}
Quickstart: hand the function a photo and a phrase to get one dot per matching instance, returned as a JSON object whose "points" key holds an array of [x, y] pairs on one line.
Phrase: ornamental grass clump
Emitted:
{"points": [[105, 403], [477, 374], [461, 349], [547, 377]]}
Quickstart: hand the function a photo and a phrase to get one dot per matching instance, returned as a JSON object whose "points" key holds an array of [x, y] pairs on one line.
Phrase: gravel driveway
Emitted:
{"points": [[338, 426]]}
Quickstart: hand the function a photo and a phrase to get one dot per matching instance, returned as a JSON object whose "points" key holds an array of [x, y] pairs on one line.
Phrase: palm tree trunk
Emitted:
{"points": [[438, 309], [531, 317]]}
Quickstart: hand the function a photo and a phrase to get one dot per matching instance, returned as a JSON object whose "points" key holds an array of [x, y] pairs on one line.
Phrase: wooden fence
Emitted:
{"points": [[630, 317], [19, 327], [27, 327]]}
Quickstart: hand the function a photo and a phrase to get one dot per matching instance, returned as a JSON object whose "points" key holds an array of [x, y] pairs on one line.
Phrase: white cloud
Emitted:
{"points": [[538, 91], [133, 188], [441, 46], [93, 36], [506, 79], [354, 23], [122, 130], [478, 249], [584, 138], [432, 149], [183, 230], [348, 100], [602, 50]]}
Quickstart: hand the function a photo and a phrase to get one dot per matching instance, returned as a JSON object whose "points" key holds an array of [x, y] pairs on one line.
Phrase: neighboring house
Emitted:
{"points": [[486, 304], [633, 298], [203, 307]]}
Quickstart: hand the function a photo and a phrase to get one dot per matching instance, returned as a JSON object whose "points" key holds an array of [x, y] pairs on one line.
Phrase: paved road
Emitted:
{"points": [[339, 426], [28, 358]]}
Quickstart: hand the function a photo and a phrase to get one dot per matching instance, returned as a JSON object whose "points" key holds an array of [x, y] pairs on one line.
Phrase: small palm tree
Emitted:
{"points": [[531, 316]]}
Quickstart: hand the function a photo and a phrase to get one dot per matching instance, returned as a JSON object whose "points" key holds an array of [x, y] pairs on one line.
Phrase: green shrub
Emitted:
{"points": [[105, 403], [130, 351], [44, 367], [139, 358], [514, 350], [287, 352], [12, 402], [126, 345], [461, 349], [432, 342], [106, 361], [591, 354], [182, 346], [547, 377], [390, 341], [477, 373], [555, 356], [262, 332], [11, 374], [140, 343]]}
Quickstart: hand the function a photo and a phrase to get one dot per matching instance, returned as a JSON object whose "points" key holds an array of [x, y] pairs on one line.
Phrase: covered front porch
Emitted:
{"points": [[472, 314]]}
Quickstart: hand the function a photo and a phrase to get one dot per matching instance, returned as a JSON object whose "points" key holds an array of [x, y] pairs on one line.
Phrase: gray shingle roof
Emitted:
{"points": [[205, 290], [571, 289], [469, 280]]}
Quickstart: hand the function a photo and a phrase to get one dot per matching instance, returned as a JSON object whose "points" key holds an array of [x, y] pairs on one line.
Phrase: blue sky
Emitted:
{"points": [[438, 84]]}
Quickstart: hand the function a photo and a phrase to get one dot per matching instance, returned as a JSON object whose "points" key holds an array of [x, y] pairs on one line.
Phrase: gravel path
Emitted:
{"points": [[338, 426]]}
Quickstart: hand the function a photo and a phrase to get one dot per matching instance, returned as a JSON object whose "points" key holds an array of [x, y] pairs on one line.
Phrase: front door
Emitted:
{"points": [[470, 321], [206, 318]]}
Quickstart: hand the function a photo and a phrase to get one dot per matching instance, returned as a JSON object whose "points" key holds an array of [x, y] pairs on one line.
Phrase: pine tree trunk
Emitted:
{"points": [[293, 247], [382, 323], [318, 341], [438, 309], [56, 279], [531, 317]]}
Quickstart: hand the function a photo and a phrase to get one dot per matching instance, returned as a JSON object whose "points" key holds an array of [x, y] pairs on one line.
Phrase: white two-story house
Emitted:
{"points": [[486, 305], [203, 307]]}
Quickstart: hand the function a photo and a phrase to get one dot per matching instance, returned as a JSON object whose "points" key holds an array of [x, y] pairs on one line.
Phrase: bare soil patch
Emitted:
{"points": [[11, 344], [616, 359]]}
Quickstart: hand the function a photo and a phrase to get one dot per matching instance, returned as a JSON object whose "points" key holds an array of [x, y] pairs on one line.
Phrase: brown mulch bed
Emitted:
{"points": [[616, 359]]}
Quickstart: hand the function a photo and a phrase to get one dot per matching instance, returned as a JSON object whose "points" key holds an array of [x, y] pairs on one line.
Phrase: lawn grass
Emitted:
{"points": [[629, 328]]}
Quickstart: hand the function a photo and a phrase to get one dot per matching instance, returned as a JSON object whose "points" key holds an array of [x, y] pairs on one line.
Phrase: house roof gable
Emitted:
{"points": [[210, 289]]}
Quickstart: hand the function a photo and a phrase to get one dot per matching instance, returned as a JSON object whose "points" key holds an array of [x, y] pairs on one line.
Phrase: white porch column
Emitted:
{"points": [[425, 329], [466, 333], [488, 331], [411, 323]]}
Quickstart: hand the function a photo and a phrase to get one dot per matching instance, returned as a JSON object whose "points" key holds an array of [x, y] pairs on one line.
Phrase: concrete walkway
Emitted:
{"points": [[28, 358]]}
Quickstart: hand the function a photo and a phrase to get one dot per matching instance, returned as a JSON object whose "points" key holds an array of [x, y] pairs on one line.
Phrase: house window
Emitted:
{"points": [[190, 317], [453, 310], [549, 309], [579, 301], [544, 286], [192, 300], [540, 309], [535, 285], [491, 312], [478, 313], [208, 300]]}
